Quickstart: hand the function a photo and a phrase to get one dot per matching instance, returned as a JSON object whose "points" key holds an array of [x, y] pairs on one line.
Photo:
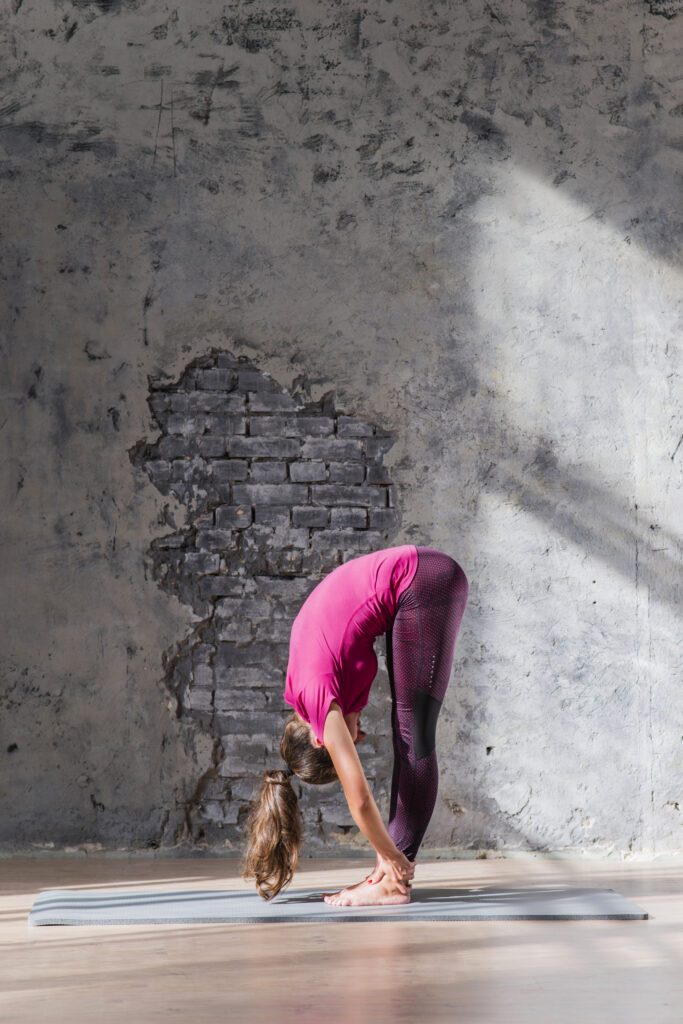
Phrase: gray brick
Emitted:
{"points": [[237, 517], [376, 473], [308, 516], [375, 767], [180, 490], [330, 800], [349, 426], [216, 379], [239, 700], [174, 447], [332, 448], [287, 590], [223, 470], [271, 402], [219, 586], [200, 562], [254, 380], [210, 446], [275, 629], [247, 755], [321, 559], [271, 515], [179, 401], [281, 535], [234, 403], [278, 448], [245, 724], [238, 762], [346, 472], [184, 468], [244, 789], [253, 608], [269, 535], [270, 494], [304, 426], [237, 630], [340, 494], [214, 540], [383, 518], [202, 654], [182, 423], [356, 517], [347, 540], [220, 812], [336, 812], [267, 426], [285, 562], [225, 424], [268, 472], [249, 675], [202, 677], [230, 655], [307, 471], [197, 700], [207, 401]]}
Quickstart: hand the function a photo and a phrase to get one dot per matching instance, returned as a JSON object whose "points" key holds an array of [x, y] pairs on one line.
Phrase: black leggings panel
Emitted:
{"points": [[419, 647]]}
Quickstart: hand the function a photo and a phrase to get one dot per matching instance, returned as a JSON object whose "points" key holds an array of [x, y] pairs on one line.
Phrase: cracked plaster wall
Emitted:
{"points": [[464, 221]]}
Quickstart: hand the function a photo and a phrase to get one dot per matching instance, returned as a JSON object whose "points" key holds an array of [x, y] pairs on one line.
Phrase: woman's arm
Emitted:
{"points": [[364, 810]]}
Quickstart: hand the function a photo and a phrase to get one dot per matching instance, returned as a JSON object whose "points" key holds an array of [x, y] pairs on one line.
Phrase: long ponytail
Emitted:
{"points": [[274, 827]]}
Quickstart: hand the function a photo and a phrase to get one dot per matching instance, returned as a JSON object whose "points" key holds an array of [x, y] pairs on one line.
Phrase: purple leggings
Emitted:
{"points": [[419, 646]]}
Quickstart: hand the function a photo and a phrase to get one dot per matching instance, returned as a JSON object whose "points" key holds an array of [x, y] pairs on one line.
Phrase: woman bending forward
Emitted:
{"points": [[416, 596]]}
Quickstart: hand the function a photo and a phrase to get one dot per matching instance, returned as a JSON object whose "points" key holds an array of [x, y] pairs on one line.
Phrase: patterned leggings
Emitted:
{"points": [[419, 646]]}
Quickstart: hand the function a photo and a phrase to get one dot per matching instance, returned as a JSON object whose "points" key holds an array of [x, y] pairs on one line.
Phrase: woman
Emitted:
{"points": [[416, 596]]}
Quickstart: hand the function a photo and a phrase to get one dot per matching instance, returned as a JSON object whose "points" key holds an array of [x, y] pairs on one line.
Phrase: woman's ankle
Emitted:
{"points": [[393, 887]]}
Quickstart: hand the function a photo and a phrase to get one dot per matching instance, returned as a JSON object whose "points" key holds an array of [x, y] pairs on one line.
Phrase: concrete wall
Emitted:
{"points": [[463, 222]]}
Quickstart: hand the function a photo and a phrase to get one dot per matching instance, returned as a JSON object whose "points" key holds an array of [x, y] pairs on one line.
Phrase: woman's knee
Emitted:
{"points": [[425, 715]]}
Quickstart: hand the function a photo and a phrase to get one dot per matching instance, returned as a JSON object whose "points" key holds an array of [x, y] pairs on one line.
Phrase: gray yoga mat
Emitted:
{"points": [[102, 906]]}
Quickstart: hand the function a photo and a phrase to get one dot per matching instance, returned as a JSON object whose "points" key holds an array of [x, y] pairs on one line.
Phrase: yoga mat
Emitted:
{"points": [[102, 906]]}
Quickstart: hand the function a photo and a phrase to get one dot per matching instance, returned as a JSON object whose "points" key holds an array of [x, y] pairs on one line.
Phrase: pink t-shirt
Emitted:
{"points": [[331, 655]]}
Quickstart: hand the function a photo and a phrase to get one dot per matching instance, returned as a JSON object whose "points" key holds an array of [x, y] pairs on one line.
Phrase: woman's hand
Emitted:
{"points": [[396, 867]]}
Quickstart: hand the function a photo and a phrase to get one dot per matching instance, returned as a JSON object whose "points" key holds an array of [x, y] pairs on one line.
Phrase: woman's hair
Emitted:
{"points": [[273, 826]]}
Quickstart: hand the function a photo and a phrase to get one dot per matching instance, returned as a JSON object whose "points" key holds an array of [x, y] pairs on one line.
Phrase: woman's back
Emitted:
{"points": [[331, 655]]}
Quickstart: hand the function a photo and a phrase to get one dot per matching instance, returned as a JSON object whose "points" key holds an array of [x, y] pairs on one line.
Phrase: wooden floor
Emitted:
{"points": [[583, 972]]}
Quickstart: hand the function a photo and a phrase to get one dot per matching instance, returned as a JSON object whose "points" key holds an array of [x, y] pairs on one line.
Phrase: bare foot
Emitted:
{"points": [[364, 894]]}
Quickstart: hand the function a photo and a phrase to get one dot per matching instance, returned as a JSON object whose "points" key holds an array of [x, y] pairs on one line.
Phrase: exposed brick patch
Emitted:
{"points": [[665, 8], [279, 491]]}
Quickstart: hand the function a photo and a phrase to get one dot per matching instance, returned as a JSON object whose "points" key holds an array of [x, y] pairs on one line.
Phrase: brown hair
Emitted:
{"points": [[274, 829]]}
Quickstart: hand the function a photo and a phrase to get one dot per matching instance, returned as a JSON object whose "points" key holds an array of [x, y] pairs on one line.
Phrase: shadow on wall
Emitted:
{"points": [[575, 505], [279, 492], [585, 99]]}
